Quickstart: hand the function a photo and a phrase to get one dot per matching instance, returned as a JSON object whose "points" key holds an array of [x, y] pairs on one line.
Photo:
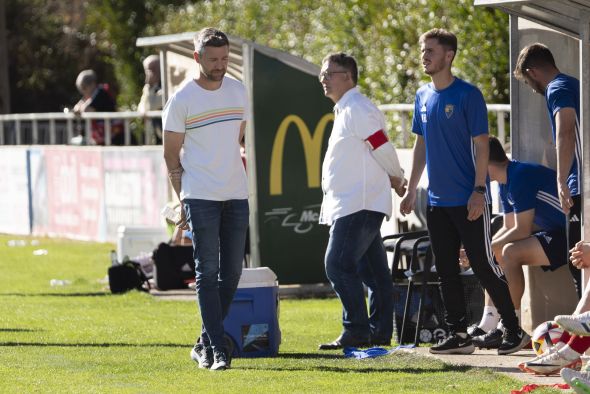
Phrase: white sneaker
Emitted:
{"points": [[575, 324], [578, 381], [552, 349], [552, 364]]}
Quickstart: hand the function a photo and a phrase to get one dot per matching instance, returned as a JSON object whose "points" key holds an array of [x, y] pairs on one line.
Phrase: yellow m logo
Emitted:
{"points": [[312, 146]]}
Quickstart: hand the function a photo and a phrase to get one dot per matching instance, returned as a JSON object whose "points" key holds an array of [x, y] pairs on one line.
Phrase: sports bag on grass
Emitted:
{"points": [[127, 276]]}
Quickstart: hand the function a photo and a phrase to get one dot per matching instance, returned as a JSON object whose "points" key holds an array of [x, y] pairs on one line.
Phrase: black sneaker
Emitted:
{"points": [[475, 331], [219, 360], [513, 341], [454, 344], [491, 340], [203, 355]]}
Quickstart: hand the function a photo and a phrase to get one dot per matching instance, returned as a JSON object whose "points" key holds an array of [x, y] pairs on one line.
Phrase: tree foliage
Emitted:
{"points": [[51, 41], [47, 51], [381, 34]]}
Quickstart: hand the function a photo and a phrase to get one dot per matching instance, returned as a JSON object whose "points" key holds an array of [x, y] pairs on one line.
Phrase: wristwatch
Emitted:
{"points": [[480, 189]]}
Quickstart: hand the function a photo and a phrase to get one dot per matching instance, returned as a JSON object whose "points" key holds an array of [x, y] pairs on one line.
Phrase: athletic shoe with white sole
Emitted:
{"points": [[491, 340], [575, 324], [203, 355], [583, 380], [220, 362], [474, 330], [513, 341], [454, 344], [552, 364], [552, 349]]}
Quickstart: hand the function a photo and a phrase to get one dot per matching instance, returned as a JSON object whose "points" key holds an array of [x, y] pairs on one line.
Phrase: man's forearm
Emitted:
{"points": [[482, 154], [418, 163]]}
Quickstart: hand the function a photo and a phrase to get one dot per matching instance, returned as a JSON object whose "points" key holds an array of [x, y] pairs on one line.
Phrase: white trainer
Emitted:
{"points": [[578, 381], [575, 324], [552, 364], [552, 349]]}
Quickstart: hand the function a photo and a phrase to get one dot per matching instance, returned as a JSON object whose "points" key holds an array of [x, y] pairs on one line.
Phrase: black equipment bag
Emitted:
{"points": [[174, 266], [127, 276]]}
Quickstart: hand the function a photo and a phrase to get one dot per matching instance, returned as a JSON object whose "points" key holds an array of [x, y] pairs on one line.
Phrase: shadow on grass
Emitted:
{"points": [[368, 369], [19, 329], [93, 294], [104, 344]]}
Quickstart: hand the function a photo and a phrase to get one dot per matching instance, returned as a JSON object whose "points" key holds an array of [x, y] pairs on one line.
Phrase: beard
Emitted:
{"points": [[213, 75], [434, 68]]}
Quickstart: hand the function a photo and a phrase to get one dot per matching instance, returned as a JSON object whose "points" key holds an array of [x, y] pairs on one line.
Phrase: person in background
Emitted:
{"points": [[97, 98], [359, 170], [151, 95]]}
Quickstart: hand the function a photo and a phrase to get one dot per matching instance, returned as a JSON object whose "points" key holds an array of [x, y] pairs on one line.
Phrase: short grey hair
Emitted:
{"points": [[85, 78], [209, 37]]}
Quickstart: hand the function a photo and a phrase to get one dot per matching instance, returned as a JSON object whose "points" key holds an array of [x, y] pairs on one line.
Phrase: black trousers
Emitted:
{"points": [[449, 228], [574, 235]]}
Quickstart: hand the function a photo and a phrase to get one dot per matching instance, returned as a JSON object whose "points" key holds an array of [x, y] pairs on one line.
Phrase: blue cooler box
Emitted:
{"points": [[252, 322]]}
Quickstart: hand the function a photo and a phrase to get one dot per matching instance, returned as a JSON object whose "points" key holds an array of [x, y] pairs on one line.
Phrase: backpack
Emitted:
{"points": [[127, 276]]}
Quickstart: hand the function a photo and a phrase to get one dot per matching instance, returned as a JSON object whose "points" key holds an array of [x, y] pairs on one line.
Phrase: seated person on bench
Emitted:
{"points": [[533, 232]]}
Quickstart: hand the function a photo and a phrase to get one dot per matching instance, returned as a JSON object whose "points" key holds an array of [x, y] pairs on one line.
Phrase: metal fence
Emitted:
{"points": [[53, 128], [60, 128]]}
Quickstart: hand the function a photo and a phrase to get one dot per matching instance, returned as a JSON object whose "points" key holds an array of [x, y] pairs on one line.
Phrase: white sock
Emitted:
{"points": [[517, 311], [489, 319], [568, 353]]}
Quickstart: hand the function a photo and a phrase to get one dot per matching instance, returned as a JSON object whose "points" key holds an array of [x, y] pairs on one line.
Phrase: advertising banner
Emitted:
{"points": [[293, 121], [72, 206], [136, 187], [14, 198]]}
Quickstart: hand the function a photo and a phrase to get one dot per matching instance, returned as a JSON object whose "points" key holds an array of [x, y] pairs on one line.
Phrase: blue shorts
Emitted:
{"points": [[554, 244]]}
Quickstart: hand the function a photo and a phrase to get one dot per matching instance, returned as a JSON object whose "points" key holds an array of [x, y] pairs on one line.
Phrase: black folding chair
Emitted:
{"points": [[408, 249]]}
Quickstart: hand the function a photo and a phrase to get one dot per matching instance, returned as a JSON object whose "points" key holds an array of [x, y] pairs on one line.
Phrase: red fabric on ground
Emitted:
{"points": [[527, 388]]}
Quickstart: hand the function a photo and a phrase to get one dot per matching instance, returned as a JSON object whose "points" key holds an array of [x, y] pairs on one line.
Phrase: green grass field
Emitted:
{"points": [[80, 338]]}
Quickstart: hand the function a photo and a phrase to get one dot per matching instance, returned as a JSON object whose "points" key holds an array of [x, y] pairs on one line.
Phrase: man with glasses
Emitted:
{"points": [[358, 172], [204, 123], [451, 127]]}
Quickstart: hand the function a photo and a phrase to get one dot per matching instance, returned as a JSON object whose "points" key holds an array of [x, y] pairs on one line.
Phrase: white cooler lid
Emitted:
{"points": [[257, 277]]}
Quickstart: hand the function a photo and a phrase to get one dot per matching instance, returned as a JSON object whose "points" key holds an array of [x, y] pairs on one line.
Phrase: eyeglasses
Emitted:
{"points": [[327, 75]]}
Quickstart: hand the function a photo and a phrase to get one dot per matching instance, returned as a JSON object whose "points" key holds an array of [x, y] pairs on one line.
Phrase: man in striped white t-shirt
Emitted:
{"points": [[204, 123]]}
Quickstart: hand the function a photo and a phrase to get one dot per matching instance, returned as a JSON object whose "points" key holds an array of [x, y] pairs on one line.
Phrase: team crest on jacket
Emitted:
{"points": [[449, 110]]}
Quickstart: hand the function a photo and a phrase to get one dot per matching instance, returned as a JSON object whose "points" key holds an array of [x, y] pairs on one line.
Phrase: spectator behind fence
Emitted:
{"points": [[97, 98], [533, 232], [450, 120], [537, 69], [151, 96], [359, 169]]}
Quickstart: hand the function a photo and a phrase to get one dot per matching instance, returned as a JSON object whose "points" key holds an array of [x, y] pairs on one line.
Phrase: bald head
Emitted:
{"points": [[151, 67]]}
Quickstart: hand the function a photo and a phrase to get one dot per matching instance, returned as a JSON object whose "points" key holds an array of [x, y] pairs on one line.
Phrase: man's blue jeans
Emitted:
{"points": [[219, 236], [355, 253]]}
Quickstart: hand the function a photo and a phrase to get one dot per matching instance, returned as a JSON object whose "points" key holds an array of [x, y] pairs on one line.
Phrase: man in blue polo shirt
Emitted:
{"points": [[450, 120], [536, 67]]}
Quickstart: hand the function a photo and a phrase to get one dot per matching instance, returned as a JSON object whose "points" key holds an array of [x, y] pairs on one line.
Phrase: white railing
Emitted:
{"points": [[403, 112], [59, 128], [52, 128]]}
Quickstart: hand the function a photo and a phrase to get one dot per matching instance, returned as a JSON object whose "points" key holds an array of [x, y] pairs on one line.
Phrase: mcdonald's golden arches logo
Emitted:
{"points": [[312, 146]]}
